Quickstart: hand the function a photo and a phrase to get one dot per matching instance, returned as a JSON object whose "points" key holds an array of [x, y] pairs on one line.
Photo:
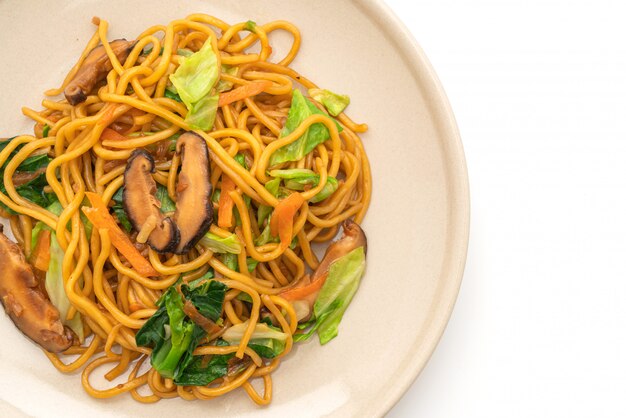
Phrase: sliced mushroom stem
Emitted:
{"points": [[95, 69], [29, 309], [142, 206], [194, 209]]}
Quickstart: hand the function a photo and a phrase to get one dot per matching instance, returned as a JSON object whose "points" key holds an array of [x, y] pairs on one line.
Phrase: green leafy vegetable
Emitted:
{"points": [[45, 131], [165, 359], [172, 95], [206, 276], [193, 79], [32, 190], [223, 85], [299, 179], [265, 237], [221, 245], [344, 276], [264, 211], [56, 290], [200, 372], [173, 336], [167, 205], [230, 261], [184, 52], [122, 218], [252, 263], [329, 188], [208, 298], [300, 110], [201, 115], [334, 103], [266, 340], [149, 50], [57, 209], [251, 26], [196, 75]]}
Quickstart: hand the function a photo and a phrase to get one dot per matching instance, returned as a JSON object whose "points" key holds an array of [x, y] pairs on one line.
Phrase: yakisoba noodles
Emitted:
{"points": [[166, 207]]}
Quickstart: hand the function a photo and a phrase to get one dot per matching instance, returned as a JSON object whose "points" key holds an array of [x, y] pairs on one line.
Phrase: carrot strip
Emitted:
{"points": [[226, 203], [40, 257], [100, 217], [107, 116], [240, 93], [109, 134], [302, 293], [281, 223]]}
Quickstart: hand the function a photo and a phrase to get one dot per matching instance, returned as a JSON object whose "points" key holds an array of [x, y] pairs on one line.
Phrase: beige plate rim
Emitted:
{"points": [[458, 181]]}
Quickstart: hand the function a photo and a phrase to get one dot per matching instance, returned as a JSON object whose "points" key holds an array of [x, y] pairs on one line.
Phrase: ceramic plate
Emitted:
{"points": [[417, 226]]}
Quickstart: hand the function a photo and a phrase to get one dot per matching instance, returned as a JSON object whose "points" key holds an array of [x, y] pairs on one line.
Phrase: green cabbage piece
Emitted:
{"points": [[266, 340], [196, 75], [333, 102], [217, 244], [299, 178], [264, 211], [344, 276], [56, 289], [223, 85], [201, 115], [300, 109]]}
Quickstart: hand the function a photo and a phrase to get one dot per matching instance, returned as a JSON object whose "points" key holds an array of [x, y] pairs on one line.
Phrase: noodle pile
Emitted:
{"points": [[113, 299]]}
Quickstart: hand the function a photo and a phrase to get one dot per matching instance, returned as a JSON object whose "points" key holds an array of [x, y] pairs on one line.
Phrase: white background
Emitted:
{"points": [[538, 90]]}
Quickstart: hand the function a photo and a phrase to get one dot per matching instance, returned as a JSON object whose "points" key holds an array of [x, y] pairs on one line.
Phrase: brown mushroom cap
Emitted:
{"points": [[194, 210], [140, 202], [31, 311], [94, 69]]}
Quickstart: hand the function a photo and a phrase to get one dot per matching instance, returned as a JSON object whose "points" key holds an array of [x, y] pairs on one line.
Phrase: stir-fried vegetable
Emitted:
{"points": [[224, 85], [267, 341], [201, 114], [281, 223], [55, 287], [173, 336], [335, 295], [193, 79], [247, 90], [226, 203], [196, 75], [200, 372], [40, 257], [167, 205], [333, 102], [300, 109], [301, 178], [32, 169], [217, 244], [99, 215]]}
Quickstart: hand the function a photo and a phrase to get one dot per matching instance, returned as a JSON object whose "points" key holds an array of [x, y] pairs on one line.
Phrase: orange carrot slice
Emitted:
{"points": [[281, 223], [226, 203], [240, 93], [100, 217], [302, 293], [109, 134], [40, 257]]}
